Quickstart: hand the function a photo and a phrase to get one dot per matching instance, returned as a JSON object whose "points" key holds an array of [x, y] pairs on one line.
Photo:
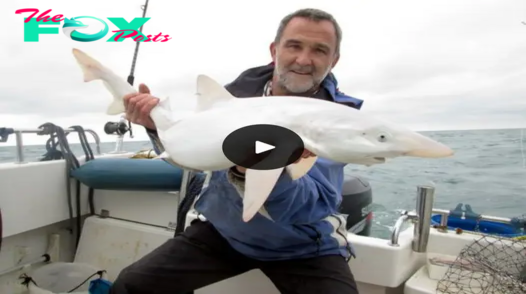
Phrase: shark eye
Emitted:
{"points": [[382, 137]]}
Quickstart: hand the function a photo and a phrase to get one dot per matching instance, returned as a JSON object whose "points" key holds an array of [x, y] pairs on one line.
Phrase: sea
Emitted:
{"points": [[488, 172]]}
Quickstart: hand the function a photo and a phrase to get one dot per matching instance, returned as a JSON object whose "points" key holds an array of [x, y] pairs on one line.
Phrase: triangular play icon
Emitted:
{"points": [[263, 147]]}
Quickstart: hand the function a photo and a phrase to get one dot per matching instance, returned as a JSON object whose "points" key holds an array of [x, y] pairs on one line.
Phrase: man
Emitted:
{"points": [[300, 241]]}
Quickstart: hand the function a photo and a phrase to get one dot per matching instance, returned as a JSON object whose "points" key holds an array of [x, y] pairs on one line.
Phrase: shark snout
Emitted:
{"points": [[421, 146]]}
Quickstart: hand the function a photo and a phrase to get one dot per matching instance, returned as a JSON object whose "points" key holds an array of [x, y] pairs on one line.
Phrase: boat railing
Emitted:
{"points": [[421, 217], [20, 143]]}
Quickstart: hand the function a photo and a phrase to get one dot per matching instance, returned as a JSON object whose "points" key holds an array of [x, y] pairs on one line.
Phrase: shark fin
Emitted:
{"points": [[90, 67], [210, 92], [164, 117], [299, 169], [165, 104], [258, 186]]}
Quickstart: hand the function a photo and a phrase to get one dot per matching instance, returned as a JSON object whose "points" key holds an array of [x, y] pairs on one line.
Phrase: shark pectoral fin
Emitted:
{"points": [[164, 117], [166, 104], [210, 92], [258, 186], [301, 168]]}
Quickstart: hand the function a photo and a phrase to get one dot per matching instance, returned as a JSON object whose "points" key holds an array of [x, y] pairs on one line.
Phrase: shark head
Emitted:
{"points": [[73, 23], [374, 141]]}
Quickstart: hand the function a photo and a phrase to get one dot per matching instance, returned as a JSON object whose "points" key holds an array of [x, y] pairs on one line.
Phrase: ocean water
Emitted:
{"points": [[488, 172]]}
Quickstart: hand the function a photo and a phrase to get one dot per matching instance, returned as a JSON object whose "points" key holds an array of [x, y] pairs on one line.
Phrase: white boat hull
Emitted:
{"points": [[34, 206]]}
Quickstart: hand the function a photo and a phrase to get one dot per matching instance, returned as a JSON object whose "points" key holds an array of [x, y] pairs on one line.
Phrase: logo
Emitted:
{"points": [[34, 26]]}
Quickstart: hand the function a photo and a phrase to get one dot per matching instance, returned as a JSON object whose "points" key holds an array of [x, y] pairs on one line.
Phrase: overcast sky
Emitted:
{"points": [[430, 65]]}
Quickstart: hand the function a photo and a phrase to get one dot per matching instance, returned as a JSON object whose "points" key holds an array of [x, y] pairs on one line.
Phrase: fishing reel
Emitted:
{"points": [[119, 128]]}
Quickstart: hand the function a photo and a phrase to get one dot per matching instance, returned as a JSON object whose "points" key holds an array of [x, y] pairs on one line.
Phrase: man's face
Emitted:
{"points": [[304, 55]]}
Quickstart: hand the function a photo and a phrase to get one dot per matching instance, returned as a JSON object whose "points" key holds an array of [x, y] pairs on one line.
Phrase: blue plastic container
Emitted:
{"points": [[486, 227]]}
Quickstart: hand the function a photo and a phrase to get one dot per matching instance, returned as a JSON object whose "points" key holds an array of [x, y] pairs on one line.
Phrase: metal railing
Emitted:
{"points": [[20, 143], [421, 218]]}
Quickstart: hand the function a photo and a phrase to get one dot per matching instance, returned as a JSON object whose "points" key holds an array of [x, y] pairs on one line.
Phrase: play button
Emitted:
{"points": [[263, 147]]}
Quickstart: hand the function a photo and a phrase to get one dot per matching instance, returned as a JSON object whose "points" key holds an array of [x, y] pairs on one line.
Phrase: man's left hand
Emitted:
{"points": [[306, 154]]}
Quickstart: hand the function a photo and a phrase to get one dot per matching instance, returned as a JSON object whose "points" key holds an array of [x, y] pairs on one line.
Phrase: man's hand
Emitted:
{"points": [[306, 154], [138, 107]]}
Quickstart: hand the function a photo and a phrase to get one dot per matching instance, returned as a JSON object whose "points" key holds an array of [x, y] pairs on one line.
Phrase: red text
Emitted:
{"points": [[133, 33], [42, 16]]}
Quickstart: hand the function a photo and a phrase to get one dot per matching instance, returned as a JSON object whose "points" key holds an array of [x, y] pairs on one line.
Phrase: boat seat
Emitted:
{"points": [[129, 174]]}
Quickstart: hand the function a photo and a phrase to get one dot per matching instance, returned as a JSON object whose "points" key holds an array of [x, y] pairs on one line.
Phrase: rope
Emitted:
{"points": [[88, 153], [58, 138], [100, 273], [27, 279]]}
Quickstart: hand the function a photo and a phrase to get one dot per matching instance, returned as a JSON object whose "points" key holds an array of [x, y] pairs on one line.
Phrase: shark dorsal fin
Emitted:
{"points": [[210, 92]]}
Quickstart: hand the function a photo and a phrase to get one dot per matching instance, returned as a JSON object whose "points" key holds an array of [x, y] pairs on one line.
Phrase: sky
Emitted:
{"points": [[430, 65]]}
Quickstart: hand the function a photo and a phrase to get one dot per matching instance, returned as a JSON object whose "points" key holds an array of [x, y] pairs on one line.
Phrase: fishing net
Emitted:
{"points": [[490, 265]]}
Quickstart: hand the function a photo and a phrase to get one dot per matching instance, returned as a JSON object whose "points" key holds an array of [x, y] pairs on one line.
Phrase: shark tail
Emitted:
{"points": [[91, 68], [94, 70]]}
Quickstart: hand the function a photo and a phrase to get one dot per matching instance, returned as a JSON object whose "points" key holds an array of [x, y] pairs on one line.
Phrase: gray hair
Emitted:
{"points": [[313, 14]]}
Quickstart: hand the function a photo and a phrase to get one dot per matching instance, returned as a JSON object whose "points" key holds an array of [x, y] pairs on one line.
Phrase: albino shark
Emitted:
{"points": [[329, 130]]}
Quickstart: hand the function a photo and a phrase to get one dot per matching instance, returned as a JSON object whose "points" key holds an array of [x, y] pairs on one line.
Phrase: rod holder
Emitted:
{"points": [[424, 209], [421, 218]]}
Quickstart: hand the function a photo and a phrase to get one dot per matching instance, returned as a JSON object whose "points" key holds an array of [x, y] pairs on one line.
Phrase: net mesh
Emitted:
{"points": [[489, 265]]}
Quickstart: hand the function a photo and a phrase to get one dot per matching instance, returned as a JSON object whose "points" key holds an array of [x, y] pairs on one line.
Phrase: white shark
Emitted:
{"points": [[329, 130]]}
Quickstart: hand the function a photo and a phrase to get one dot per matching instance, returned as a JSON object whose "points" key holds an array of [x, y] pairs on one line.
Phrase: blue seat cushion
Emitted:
{"points": [[129, 174]]}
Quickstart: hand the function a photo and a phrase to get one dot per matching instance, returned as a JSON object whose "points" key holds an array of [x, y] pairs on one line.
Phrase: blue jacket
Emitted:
{"points": [[301, 218]]}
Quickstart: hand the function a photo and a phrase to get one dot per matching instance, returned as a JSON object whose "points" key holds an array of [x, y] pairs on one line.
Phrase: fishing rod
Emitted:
{"points": [[131, 77], [186, 174]]}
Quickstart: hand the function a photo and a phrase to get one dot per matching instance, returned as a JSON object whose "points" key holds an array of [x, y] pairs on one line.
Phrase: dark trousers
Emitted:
{"points": [[201, 256]]}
